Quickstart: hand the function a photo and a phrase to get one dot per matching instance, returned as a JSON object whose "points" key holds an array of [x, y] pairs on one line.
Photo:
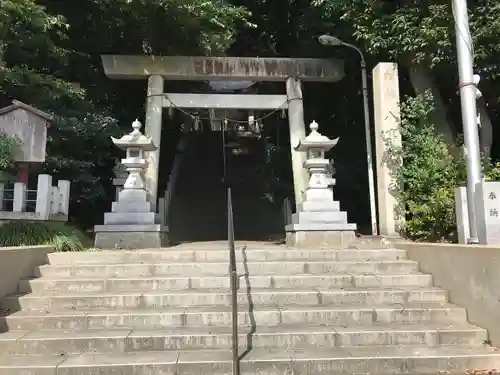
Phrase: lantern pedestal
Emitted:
{"points": [[131, 236], [319, 221], [132, 224], [320, 235]]}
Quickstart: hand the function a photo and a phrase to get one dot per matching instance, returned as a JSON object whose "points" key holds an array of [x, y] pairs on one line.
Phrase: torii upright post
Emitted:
{"points": [[297, 133], [154, 111]]}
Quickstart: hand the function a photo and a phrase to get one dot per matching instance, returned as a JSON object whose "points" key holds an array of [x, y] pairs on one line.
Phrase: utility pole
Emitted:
{"points": [[467, 86]]}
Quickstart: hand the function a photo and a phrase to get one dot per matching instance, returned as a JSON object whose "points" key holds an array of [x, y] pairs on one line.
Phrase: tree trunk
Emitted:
{"points": [[422, 81]]}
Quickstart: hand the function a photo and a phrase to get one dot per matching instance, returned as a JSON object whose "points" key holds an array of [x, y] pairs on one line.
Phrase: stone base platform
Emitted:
{"points": [[131, 236], [320, 235]]}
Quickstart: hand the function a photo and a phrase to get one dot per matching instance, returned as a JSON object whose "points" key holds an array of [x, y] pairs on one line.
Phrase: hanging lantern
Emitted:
{"points": [[283, 113], [196, 123], [171, 112], [251, 122]]}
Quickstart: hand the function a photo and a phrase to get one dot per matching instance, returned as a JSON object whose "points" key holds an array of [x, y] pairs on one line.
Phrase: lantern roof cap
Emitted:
{"points": [[135, 139], [316, 140]]}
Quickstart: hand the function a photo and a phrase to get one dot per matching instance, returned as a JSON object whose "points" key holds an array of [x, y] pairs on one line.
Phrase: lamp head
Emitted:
{"points": [[329, 40]]}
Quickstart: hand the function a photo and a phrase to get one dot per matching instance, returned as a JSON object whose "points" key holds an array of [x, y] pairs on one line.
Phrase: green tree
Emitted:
{"points": [[420, 30], [429, 174], [33, 60], [49, 58], [420, 36]]}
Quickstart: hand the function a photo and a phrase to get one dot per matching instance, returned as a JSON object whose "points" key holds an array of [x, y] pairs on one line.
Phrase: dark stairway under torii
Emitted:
{"points": [[198, 210]]}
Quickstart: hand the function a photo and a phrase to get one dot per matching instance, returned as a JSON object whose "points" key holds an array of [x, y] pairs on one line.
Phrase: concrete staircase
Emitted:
{"points": [[350, 311], [199, 206]]}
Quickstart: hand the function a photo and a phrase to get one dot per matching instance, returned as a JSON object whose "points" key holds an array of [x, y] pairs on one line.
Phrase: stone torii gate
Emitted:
{"points": [[157, 69]]}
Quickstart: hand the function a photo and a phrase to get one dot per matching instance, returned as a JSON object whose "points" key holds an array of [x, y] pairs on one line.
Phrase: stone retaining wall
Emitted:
{"points": [[18, 263], [471, 274]]}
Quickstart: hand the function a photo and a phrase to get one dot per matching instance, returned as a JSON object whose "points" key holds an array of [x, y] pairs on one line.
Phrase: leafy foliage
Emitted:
{"points": [[49, 58], [25, 233], [90, 165], [8, 147], [420, 30], [429, 174], [31, 55]]}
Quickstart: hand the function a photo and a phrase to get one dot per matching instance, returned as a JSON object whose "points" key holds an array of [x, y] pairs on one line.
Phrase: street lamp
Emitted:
{"points": [[329, 40]]}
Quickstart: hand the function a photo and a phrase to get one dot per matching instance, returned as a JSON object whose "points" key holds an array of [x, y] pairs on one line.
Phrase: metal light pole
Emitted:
{"points": [[329, 40], [467, 86]]}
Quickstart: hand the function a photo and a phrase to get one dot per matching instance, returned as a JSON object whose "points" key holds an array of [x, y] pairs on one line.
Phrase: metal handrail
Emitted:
{"points": [[234, 282]]}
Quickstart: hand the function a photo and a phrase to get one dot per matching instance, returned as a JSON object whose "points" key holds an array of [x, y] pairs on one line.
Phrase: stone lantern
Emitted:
{"points": [[319, 221], [135, 145], [315, 145], [131, 223]]}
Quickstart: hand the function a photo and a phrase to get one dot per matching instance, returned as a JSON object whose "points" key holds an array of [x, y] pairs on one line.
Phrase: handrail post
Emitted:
{"points": [[234, 283], [287, 211]]}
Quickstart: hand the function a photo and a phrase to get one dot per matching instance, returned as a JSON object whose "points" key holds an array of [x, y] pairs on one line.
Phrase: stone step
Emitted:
{"points": [[118, 284], [188, 338], [207, 297], [220, 269], [274, 253], [220, 316], [343, 361]]}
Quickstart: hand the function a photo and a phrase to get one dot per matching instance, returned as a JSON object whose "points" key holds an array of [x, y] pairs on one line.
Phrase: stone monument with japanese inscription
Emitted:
{"points": [[319, 221], [387, 128], [132, 222], [488, 212]]}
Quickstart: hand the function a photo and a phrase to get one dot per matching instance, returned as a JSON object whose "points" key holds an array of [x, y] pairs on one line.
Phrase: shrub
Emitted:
{"points": [[431, 171], [25, 233], [8, 147]]}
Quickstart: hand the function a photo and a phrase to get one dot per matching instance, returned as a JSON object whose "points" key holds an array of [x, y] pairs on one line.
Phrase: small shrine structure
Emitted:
{"points": [[48, 201], [29, 125]]}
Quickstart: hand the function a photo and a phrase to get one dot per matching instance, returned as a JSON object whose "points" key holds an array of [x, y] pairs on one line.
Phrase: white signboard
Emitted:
{"points": [[488, 212]]}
